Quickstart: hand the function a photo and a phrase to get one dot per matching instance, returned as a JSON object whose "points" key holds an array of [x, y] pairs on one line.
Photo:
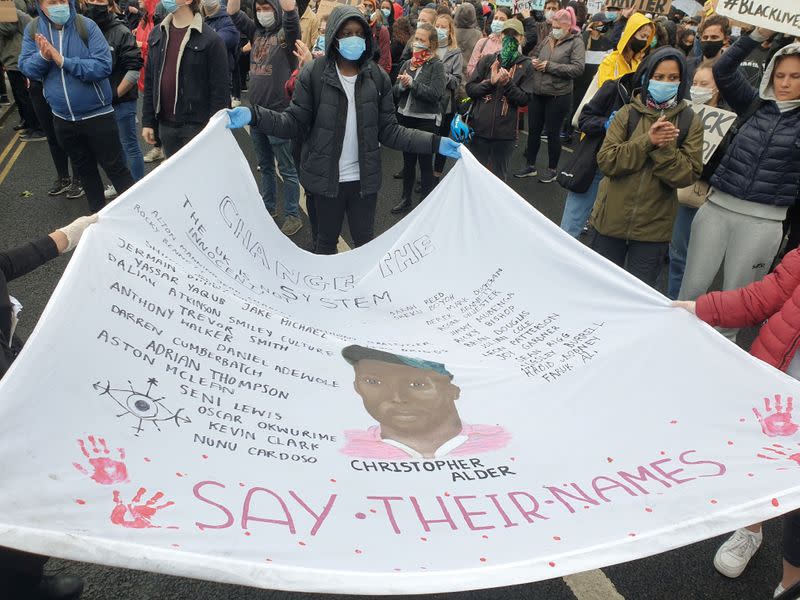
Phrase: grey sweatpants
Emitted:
{"points": [[747, 245]]}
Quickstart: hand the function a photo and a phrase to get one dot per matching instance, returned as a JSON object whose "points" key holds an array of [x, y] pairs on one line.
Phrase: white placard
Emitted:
{"points": [[777, 15]]}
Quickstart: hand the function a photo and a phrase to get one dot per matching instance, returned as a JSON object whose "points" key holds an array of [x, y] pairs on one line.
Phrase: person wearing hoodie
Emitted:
{"points": [[557, 63], [218, 19], [75, 75], [500, 85], [377, 23], [126, 62], [654, 145], [183, 88], [343, 103], [740, 227], [467, 32], [637, 36], [491, 45], [273, 35]]}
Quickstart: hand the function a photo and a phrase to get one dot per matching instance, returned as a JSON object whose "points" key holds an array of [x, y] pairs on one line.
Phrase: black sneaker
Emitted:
{"points": [[528, 171], [59, 186], [75, 189], [548, 176], [20, 127], [58, 587], [33, 135]]}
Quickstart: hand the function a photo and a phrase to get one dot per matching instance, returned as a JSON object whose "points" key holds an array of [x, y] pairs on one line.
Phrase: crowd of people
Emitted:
{"points": [[323, 87]]}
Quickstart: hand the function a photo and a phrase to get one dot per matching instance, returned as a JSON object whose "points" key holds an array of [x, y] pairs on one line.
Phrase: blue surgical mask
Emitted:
{"points": [[351, 48], [169, 5], [441, 33], [497, 26], [58, 13], [386, 12], [321, 42], [611, 16], [661, 91]]}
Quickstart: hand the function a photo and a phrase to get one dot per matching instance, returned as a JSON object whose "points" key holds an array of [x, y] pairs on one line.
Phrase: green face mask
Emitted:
{"points": [[509, 52]]}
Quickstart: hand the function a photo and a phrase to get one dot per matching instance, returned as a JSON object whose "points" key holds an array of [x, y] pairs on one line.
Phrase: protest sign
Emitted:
{"points": [[473, 399], [689, 7], [527, 5], [326, 7], [8, 11], [777, 15], [647, 6], [716, 123], [595, 6]]}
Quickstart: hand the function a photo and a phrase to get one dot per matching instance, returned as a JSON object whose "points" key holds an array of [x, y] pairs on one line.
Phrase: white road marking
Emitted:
{"points": [[592, 585]]}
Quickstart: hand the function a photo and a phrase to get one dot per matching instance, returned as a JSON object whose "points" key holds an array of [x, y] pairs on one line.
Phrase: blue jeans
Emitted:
{"points": [[125, 114], [678, 248], [579, 207], [268, 150]]}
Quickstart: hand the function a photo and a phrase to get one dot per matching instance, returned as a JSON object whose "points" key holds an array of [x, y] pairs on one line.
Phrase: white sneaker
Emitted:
{"points": [[733, 556], [110, 192], [156, 154], [235, 102], [778, 591]]}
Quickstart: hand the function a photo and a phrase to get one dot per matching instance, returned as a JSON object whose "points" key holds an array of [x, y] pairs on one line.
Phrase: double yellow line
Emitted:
{"points": [[14, 156]]}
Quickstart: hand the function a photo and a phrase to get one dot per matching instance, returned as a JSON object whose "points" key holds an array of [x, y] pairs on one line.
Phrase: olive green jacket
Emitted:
{"points": [[637, 199]]}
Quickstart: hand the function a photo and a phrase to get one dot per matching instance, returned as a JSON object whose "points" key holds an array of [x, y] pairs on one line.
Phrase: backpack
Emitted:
{"points": [[80, 25]]}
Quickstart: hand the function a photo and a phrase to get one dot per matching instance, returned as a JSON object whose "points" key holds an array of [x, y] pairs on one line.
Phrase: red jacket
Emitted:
{"points": [[381, 33], [776, 299]]}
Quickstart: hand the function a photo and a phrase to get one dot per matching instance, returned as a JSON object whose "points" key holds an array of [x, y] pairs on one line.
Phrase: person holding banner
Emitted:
{"points": [[346, 125], [654, 146], [740, 225], [21, 573]]}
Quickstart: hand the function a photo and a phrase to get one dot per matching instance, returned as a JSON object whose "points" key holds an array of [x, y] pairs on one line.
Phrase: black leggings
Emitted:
{"points": [[547, 113], [45, 117], [329, 212], [644, 259], [791, 538], [410, 160], [444, 131]]}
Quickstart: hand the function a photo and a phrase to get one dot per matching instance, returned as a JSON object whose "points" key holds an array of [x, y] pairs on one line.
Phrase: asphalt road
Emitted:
{"points": [[26, 172]]}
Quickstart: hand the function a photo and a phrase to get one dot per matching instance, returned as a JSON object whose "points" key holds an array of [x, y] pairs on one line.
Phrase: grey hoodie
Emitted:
{"points": [[767, 90]]}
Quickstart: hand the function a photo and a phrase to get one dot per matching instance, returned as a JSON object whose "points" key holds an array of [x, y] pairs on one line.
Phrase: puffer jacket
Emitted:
{"points": [[427, 90], [11, 41], [762, 163], [637, 199], [495, 112], [325, 123], [566, 59], [776, 299], [79, 89]]}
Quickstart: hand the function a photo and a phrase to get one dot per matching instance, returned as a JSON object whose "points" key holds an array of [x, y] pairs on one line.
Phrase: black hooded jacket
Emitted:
{"points": [[125, 55], [319, 110]]}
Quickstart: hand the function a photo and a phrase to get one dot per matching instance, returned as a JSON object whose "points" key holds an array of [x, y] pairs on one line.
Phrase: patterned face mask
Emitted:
{"points": [[509, 51]]}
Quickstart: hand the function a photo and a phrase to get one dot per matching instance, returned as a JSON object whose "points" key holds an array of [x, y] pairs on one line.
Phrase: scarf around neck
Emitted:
{"points": [[420, 57]]}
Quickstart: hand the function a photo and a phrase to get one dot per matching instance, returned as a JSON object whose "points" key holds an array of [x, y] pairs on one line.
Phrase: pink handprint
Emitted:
{"points": [[137, 515], [105, 470], [779, 423], [779, 452]]}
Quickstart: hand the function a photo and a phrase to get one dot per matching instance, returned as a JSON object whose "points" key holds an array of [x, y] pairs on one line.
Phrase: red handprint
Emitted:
{"points": [[779, 423], [779, 452], [140, 514], [105, 470]]}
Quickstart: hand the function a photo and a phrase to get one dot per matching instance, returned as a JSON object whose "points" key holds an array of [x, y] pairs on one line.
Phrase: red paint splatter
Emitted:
{"points": [[483, 559], [138, 513], [398, 570], [447, 493], [79, 501], [586, 507], [360, 515], [146, 459], [775, 502], [358, 551], [552, 564], [179, 474], [241, 484], [557, 538], [301, 543], [742, 420], [609, 459], [673, 422], [548, 501], [713, 501], [730, 443], [631, 535], [333, 481], [176, 545], [512, 458], [424, 539], [648, 509], [486, 537], [205, 455], [750, 475], [268, 559], [372, 510], [663, 453], [247, 533]]}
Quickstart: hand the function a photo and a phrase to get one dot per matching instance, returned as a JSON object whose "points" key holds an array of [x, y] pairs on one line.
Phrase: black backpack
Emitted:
{"points": [[80, 25]]}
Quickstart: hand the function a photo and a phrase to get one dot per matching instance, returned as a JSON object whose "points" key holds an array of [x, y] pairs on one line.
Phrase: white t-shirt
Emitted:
{"points": [[348, 160]]}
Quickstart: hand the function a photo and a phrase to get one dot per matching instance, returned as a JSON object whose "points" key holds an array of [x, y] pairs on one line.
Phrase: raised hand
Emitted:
{"points": [[137, 515], [778, 422], [288, 5], [105, 470], [302, 53]]}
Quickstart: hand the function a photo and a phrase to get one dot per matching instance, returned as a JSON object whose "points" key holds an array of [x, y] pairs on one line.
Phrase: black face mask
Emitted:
{"points": [[97, 13], [687, 47], [711, 49], [637, 45]]}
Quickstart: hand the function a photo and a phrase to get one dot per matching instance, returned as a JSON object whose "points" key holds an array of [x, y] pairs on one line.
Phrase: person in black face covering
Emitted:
{"points": [[126, 65]]}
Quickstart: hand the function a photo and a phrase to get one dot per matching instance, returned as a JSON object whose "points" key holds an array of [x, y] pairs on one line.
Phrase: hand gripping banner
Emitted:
{"points": [[473, 399]]}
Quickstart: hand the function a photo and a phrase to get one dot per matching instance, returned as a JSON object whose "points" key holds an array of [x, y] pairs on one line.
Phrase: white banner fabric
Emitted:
{"points": [[473, 399], [777, 15]]}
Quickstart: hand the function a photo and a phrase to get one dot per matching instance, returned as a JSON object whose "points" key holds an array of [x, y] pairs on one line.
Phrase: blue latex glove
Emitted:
{"points": [[610, 118], [238, 117], [449, 148]]}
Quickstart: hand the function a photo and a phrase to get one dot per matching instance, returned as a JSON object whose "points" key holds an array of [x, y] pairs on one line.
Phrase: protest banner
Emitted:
{"points": [[595, 6], [647, 6], [777, 15], [521, 5], [689, 7], [473, 399], [716, 123], [8, 11]]}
